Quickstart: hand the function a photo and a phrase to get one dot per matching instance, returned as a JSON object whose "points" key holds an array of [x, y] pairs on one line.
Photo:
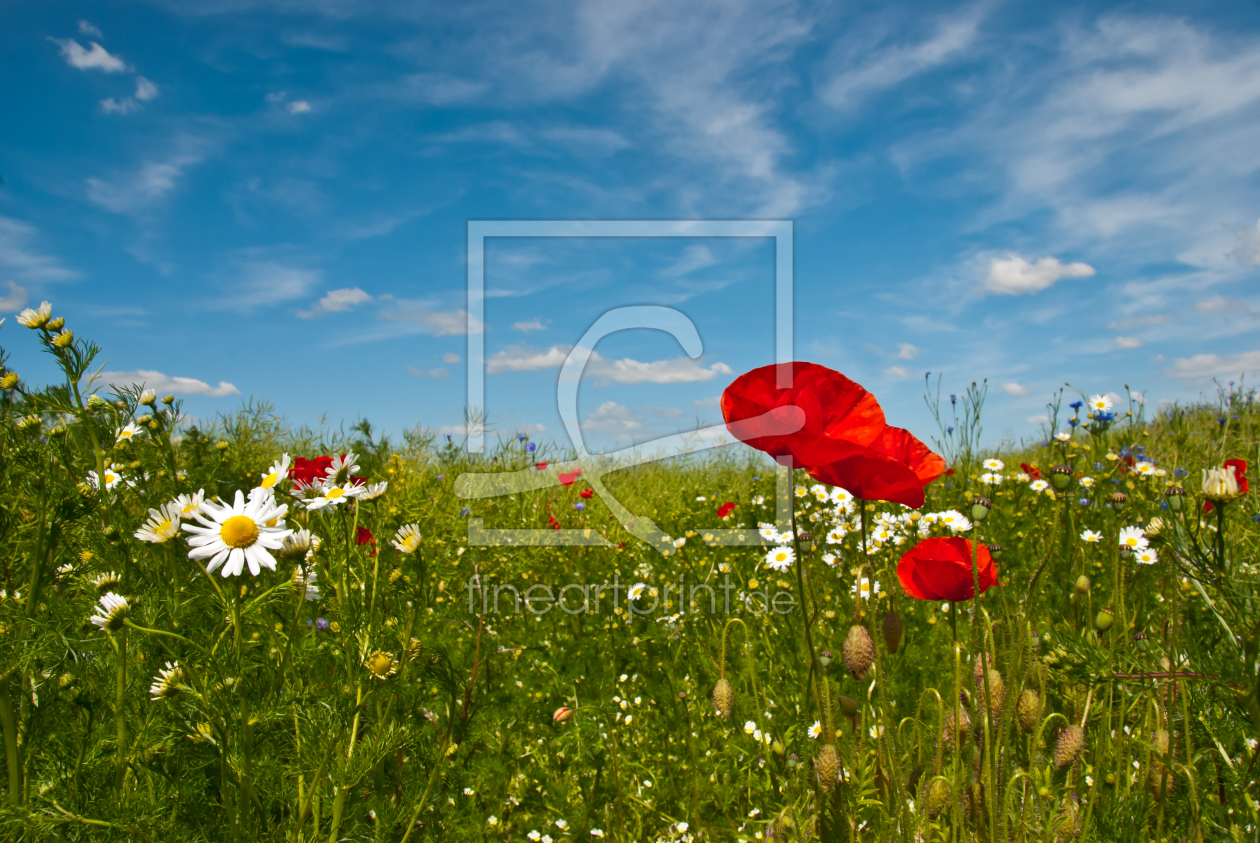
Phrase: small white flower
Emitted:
{"points": [[701, 498], [993, 464], [534, 835], [1147, 556], [407, 539], [239, 533], [1063, 436], [1039, 485], [1091, 536], [126, 434], [1133, 538], [829, 559], [1100, 404], [111, 612], [278, 471], [597, 832], [562, 824], [492, 820], [750, 727], [1087, 482], [166, 685], [780, 558], [162, 526], [769, 532], [112, 478], [815, 730], [333, 494], [954, 520], [35, 318], [866, 588], [989, 479], [636, 591]]}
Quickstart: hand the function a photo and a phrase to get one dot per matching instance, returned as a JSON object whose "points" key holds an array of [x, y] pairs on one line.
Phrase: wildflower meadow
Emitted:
{"points": [[235, 629]]}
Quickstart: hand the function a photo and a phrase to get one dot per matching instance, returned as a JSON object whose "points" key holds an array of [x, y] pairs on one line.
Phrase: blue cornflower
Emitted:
{"points": [[949, 431], [441, 477], [755, 479], [1255, 518], [465, 512], [953, 399], [448, 437], [521, 437], [1179, 472], [1076, 405], [1072, 422], [531, 447], [1084, 501], [579, 505], [1221, 421]]}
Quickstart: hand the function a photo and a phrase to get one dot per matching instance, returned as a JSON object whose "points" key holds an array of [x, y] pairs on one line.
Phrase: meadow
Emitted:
{"points": [[241, 630]]}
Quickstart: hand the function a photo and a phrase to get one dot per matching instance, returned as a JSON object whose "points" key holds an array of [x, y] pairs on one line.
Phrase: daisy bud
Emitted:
{"points": [[9, 380], [1082, 585], [63, 339], [1118, 501], [980, 507], [1104, 619], [1061, 477], [892, 628], [168, 400], [824, 658], [56, 324], [148, 398], [562, 715], [1176, 498]]}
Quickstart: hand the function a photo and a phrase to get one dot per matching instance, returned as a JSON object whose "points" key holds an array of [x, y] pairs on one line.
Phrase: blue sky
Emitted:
{"points": [[271, 199]]}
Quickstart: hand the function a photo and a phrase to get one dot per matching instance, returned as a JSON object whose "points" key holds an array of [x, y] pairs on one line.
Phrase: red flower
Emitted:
{"points": [[364, 536], [1032, 471], [308, 471], [895, 467], [577, 472], [949, 472], [586, 493], [940, 569], [810, 422], [725, 509], [541, 466], [1240, 474], [552, 522], [567, 479]]}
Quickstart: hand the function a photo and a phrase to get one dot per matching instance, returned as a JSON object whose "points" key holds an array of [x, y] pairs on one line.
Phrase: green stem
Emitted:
{"points": [[120, 713], [10, 745]]}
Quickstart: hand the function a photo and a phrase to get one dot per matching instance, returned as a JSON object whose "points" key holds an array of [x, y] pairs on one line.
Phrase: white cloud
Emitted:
{"points": [[166, 384], [132, 192], [19, 256], [899, 372], [439, 373], [693, 257], [96, 58], [336, 301], [450, 357], [1248, 251], [1219, 305], [531, 325], [1015, 389], [664, 412], [435, 89], [1015, 276], [299, 107], [611, 417], [1209, 365], [906, 351], [264, 283], [626, 371], [145, 90], [16, 298], [1140, 321], [439, 323], [1041, 419], [712, 402], [1121, 343], [863, 71], [86, 28]]}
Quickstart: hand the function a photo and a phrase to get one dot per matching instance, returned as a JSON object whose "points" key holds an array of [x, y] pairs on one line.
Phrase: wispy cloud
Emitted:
{"points": [[19, 255], [899, 372], [438, 373], [263, 283], [604, 371], [1012, 388], [528, 325], [132, 192], [422, 317], [336, 301], [94, 58], [16, 298], [693, 257], [165, 383], [1211, 365]]}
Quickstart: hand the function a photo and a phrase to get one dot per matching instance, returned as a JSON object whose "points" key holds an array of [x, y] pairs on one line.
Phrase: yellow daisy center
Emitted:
{"points": [[1131, 542], [334, 493], [381, 664], [269, 480], [239, 531], [410, 543]]}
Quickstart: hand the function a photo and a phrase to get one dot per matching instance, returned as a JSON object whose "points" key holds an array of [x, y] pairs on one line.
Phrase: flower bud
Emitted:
{"points": [[858, 651], [980, 507], [1071, 742], [56, 324], [1176, 498], [1104, 619], [63, 339], [1026, 709], [9, 380], [723, 698], [848, 706], [148, 398], [168, 400], [1061, 477], [995, 550], [938, 798], [892, 628], [1118, 501], [825, 657], [562, 715], [827, 767], [1082, 585]]}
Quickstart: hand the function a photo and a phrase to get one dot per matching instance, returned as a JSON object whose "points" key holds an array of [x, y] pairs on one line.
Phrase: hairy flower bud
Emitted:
{"points": [[723, 698], [1071, 742], [827, 767], [1082, 585], [1026, 708], [858, 651], [892, 628], [938, 798]]}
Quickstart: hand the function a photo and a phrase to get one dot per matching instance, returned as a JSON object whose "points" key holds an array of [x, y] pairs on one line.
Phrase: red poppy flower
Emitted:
{"points": [[895, 467], [577, 472], [1240, 473], [567, 479], [552, 522], [364, 535], [308, 471], [541, 466], [809, 422], [940, 569], [725, 509], [1032, 471]]}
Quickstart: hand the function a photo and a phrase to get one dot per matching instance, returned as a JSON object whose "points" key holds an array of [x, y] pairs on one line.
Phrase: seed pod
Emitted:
{"points": [[892, 628], [1082, 585], [827, 767], [1104, 620], [947, 733], [1026, 709], [858, 651], [938, 798], [1071, 742], [723, 698]]}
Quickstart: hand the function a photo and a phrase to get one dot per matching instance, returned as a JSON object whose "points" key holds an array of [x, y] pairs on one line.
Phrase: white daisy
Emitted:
{"points": [[801, 491], [128, 432], [232, 535], [1039, 485], [37, 318], [1063, 436], [309, 582], [1100, 404], [636, 590], [1086, 482], [298, 545], [112, 478], [993, 464], [1133, 538], [111, 612], [990, 479], [372, 491], [815, 730], [106, 581], [278, 471], [407, 539], [166, 685], [758, 500], [190, 505], [162, 526], [829, 559], [867, 588], [680, 542], [768, 532], [1144, 468], [342, 469], [333, 494], [954, 520], [780, 558], [837, 535], [819, 491], [1147, 556], [1091, 536]]}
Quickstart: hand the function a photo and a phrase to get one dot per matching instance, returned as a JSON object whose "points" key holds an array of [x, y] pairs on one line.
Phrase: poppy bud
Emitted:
{"points": [[938, 798], [980, 507], [805, 537], [1118, 501], [792, 761], [1061, 477], [995, 550], [858, 651], [562, 715], [947, 734], [1026, 709], [1071, 742], [1104, 620], [892, 629], [778, 747], [827, 767], [723, 698], [824, 658], [1082, 585], [848, 706], [1176, 497]]}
